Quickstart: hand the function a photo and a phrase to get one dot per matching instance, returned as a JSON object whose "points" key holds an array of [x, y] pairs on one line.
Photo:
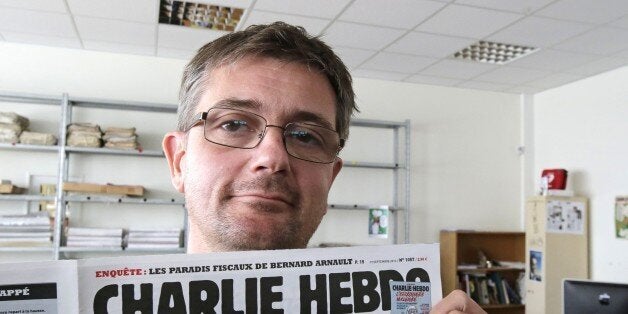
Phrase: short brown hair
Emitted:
{"points": [[279, 41]]}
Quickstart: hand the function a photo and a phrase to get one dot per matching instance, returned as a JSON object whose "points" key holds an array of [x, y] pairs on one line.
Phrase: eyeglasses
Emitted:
{"points": [[242, 129]]}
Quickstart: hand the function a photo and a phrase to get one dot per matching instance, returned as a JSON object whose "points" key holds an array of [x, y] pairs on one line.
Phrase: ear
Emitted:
{"points": [[337, 165], [174, 149]]}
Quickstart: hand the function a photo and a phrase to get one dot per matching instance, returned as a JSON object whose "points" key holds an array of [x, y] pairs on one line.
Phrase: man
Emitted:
{"points": [[263, 115]]}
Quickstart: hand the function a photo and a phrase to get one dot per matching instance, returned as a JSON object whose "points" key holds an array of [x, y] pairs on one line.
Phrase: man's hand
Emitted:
{"points": [[455, 303]]}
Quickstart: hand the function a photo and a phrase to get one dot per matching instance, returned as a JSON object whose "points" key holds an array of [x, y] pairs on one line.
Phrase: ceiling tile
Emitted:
{"points": [[381, 75], [46, 40], [314, 26], [554, 80], [602, 41], [175, 53], [186, 38], [484, 86], [360, 36], [523, 90], [404, 14], [523, 7], [466, 21], [539, 32], [115, 31], [586, 10], [38, 5], [429, 45], [598, 66], [36, 22], [119, 48], [552, 60], [394, 62], [511, 75], [328, 10], [432, 80], [144, 11], [457, 69], [353, 57]]}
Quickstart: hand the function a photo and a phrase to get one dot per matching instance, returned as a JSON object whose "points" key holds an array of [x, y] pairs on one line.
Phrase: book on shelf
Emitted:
{"points": [[488, 289]]}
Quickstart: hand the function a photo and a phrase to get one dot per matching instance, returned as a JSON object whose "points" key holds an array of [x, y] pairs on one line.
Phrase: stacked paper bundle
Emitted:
{"points": [[84, 135], [35, 138], [153, 239], [94, 237], [11, 126], [124, 138], [25, 230]]}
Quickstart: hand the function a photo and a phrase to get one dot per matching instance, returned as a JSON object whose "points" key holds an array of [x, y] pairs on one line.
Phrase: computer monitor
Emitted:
{"points": [[587, 296]]}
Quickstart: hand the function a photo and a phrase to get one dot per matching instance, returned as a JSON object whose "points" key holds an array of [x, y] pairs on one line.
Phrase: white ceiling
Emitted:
{"points": [[398, 40]]}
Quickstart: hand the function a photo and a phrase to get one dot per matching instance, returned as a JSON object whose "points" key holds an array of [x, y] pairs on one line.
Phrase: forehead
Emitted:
{"points": [[281, 89]]}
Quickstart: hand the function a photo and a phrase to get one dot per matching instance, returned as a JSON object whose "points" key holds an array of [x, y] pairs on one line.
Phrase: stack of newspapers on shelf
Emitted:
{"points": [[120, 138], [11, 126], [25, 230], [153, 239], [84, 135], [94, 237]]}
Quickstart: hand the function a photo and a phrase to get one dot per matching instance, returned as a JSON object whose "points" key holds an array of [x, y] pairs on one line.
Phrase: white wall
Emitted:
{"points": [[465, 168], [582, 127]]}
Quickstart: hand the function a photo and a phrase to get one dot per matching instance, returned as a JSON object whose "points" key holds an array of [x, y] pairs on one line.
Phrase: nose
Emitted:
{"points": [[270, 155]]}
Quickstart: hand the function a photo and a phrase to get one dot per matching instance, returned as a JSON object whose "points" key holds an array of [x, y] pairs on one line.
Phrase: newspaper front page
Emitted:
{"points": [[329, 280]]}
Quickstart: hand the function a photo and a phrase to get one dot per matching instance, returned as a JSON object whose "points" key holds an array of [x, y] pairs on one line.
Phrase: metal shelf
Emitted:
{"points": [[26, 197], [26, 249], [375, 165], [123, 200], [78, 249], [358, 207], [122, 105], [27, 147], [111, 151], [378, 124]]}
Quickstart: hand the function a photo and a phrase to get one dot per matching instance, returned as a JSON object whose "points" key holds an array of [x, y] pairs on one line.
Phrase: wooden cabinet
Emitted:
{"points": [[556, 248], [459, 252]]}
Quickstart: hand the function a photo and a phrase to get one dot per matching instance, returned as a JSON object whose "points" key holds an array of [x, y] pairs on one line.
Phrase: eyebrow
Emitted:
{"points": [[254, 104]]}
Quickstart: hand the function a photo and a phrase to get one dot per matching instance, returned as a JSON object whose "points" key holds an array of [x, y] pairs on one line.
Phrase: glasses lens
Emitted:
{"points": [[311, 142], [232, 127]]}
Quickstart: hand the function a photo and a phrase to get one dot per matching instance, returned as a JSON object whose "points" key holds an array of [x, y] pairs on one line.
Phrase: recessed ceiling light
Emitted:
{"points": [[492, 52], [199, 15]]}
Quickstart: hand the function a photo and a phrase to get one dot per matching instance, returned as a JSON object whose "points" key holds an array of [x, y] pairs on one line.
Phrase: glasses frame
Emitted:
{"points": [[202, 118]]}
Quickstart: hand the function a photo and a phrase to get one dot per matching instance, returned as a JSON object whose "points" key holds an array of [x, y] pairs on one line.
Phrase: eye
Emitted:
{"points": [[235, 125], [305, 137]]}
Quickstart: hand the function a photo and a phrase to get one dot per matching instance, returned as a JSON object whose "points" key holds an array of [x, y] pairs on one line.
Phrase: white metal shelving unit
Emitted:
{"points": [[400, 168]]}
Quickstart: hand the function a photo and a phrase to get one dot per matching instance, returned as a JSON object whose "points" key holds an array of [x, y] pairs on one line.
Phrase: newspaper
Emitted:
{"points": [[39, 287], [329, 280]]}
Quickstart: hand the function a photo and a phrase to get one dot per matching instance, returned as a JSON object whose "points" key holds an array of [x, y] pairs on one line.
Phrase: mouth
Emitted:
{"points": [[269, 198]]}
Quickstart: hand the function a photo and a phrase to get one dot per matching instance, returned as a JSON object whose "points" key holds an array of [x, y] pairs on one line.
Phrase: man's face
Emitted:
{"points": [[260, 198]]}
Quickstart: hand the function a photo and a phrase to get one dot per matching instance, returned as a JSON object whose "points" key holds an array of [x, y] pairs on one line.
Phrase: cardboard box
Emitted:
{"points": [[10, 189], [131, 190]]}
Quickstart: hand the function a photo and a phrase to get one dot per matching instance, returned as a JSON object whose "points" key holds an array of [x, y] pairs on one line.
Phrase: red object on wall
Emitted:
{"points": [[556, 178]]}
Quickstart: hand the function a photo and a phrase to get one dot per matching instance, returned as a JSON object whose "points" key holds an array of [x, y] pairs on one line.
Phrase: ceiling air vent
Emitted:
{"points": [[199, 15], [492, 52]]}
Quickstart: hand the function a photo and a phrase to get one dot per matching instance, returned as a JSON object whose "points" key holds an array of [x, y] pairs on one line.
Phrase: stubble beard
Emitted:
{"points": [[227, 231]]}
